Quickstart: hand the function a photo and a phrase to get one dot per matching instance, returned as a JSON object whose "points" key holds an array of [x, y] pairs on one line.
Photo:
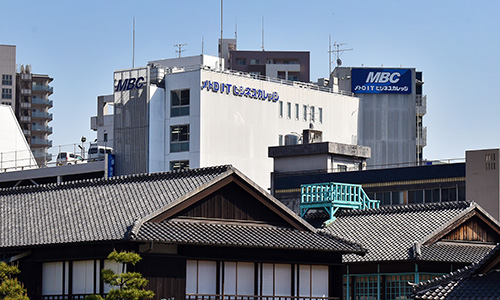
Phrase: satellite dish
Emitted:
{"points": [[339, 62]]}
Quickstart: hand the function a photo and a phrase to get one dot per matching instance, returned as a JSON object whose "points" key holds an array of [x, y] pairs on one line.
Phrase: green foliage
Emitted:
{"points": [[93, 297], [129, 285], [10, 287]]}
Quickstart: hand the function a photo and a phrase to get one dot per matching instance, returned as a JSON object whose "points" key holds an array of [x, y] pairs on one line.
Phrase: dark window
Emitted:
{"points": [[397, 198], [6, 79], [179, 165], [179, 138], [6, 93], [241, 61], [179, 103]]}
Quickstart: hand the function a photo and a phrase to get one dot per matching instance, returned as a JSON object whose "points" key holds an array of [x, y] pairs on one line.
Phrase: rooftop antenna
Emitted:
{"points": [[329, 54], [236, 31], [220, 45], [180, 50], [133, 46], [262, 34], [339, 51], [202, 45]]}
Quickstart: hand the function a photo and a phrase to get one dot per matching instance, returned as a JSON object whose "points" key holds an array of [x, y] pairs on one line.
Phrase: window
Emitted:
{"points": [[366, 287], [397, 287], [280, 140], [296, 111], [320, 111], [6, 79], [179, 165], [281, 74], [6, 93], [280, 109], [312, 113], [105, 137], [241, 61], [305, 112], [179, 138], [293, 76], [289, 110], [179, 103], [255, 61]]}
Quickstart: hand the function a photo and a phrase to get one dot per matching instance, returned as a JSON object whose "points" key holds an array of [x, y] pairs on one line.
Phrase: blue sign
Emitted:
{"points": [[226, 88], [111, 165], [381, 81], [130, 83]]}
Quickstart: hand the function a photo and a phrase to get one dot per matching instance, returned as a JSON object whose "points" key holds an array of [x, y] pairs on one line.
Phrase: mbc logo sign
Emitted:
{"points": [[381, 81], [383, 77], [131, 83]]}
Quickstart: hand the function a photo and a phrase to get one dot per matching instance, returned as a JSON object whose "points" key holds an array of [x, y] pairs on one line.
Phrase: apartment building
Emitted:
{"points": [[28, 95]]}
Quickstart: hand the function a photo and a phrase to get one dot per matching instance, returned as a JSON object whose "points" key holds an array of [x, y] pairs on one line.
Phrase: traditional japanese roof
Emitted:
{"points": [[406, 232], [241, 235], [477, 281], [126, 208]]}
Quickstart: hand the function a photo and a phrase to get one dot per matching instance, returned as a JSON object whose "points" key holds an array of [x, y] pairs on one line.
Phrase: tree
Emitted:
{"points": [[129, 285], [10, 287]]}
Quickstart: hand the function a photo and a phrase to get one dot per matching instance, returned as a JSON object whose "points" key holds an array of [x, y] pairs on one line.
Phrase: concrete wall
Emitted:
{"points": [[239, 130], [386, 122], [131, 124], [8, 67], [483, 179]]}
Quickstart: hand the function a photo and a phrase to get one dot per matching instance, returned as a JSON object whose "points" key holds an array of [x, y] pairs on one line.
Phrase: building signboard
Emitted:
{"points": [[130, 83], [226, 88], [381, 81]]}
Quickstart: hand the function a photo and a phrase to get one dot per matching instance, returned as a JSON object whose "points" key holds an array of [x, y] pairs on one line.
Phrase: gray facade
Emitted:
{"points": [[389, 123], [131, 120]]}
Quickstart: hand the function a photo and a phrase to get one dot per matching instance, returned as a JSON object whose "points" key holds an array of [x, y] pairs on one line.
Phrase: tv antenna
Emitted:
{"points": [[262, 34], [179, 50], [338, 52]]}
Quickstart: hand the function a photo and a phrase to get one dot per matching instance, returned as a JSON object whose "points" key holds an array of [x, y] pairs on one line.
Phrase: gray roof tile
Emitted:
{"points": [[463, 284], [241, 235], [390, 233], [91, 210]]}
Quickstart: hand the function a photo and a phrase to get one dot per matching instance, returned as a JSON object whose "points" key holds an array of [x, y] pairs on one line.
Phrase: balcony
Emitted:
{"points": [[421, 105], [25, 105], [41, 142], [43, 88], [41, 115], [43, 102], [41, 128], [26, 119], [421, 137], [333, 196], [25, 92], [25, 76]]}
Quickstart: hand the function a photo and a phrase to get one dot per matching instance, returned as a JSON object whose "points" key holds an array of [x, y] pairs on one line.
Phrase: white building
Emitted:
{"points": [[167, 118], [15, 153]]}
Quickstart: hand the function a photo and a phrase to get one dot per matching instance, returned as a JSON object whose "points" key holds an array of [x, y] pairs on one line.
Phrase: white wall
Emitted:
{"points": [[238, 130], [15, 153]]}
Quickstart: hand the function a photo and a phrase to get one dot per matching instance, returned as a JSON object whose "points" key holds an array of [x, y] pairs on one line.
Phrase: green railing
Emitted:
{"points": [[333, 196]]}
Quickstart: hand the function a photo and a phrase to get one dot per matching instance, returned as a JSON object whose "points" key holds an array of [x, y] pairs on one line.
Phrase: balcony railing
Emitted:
{"points": [[43, 115], [421, 104], [422, 136], [252, 297], [41, 128], [25, 105], [39, 101], [43, 88], [332, 196], [41, 142], [26, 91]]}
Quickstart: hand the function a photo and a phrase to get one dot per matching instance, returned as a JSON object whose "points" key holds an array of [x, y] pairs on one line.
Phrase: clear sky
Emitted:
{"points": [[455, 43]]}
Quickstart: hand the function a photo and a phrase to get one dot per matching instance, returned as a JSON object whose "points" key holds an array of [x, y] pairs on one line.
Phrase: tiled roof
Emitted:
{"points": [[466, 283], [391, 232], [454, 252], [92, 210], [241, 235]]}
